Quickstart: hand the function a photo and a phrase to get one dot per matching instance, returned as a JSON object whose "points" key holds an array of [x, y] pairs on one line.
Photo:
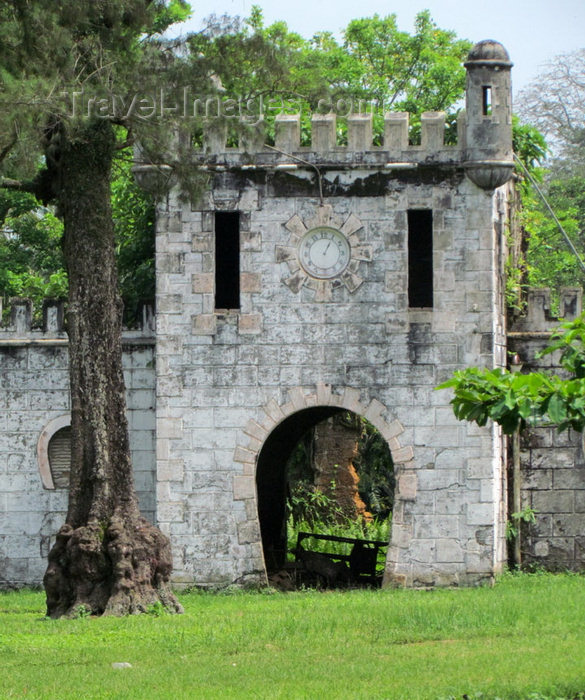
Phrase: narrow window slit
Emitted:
{"points": [[486, 101], [227, 260], [420, 258]]}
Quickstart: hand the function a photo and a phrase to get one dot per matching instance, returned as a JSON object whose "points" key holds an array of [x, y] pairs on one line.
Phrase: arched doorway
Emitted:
{"points": [[307, 478], [271, 479], [267, 441]]}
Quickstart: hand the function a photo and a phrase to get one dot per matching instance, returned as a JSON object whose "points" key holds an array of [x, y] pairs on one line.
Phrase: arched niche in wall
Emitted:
{"points": [[54, 453]]}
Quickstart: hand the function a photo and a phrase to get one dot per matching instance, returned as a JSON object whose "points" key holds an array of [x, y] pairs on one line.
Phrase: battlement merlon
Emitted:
{"points": [[253, 150], [20, 330], [483, 149], [539, 319]]}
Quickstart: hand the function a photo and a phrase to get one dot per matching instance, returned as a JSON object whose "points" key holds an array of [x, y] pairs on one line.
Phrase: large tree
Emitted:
{"points": [[107, 559], [554, 104], [376, 67]]}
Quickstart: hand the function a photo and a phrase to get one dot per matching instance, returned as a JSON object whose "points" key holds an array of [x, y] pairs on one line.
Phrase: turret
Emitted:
{"points": [[488, 130]]}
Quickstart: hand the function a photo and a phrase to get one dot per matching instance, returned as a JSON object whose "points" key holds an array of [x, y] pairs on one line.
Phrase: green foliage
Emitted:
{"points": [[174, 12], [49, 49], [529, 145], [375, 468], [311, 510], [157, 609], [308, 505], [569, 339], [376, 529], [515, 283], [550, 261], [31, 262], [373, 464], [553, 103], [133, 212], [526, 515], [269, 69], [506, 398], [81, 611], [403, 72], [514, 400]]}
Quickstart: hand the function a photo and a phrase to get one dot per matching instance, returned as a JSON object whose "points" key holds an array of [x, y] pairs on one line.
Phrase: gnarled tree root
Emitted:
{"points": [[118, 568]]}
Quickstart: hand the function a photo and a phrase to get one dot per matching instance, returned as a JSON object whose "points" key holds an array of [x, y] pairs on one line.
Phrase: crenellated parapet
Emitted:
{"points": [[539, 318], [287, 153], [21, 329], [483, 149]]}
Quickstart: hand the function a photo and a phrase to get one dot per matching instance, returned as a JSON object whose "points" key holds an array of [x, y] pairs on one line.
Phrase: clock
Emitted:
{"points": [[324, 252]]}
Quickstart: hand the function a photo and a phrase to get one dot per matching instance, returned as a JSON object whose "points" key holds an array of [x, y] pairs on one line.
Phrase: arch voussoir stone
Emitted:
{"points": [[300, 398]]}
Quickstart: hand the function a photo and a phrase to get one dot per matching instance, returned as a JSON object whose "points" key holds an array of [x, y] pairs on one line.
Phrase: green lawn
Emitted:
{"points": [[524, 638]]}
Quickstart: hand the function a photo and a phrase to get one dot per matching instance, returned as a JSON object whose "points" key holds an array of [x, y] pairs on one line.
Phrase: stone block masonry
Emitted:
{"points": [[552, 463], [300, 345], [343, 344], [34, 399], [354, 278]]}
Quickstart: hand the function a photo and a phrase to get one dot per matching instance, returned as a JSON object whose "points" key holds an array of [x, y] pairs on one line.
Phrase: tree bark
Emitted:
{"points": [[335, 449], [107, 558]]}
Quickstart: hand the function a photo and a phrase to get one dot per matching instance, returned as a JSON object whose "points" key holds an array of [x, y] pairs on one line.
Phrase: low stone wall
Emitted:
{"points": [[552, 463], [34, 399]]}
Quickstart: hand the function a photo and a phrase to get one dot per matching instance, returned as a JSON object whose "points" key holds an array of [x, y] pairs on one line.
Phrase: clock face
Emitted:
{"points": [[324, 252]]}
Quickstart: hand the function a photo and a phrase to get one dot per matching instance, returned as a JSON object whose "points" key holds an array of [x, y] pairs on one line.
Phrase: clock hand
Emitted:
{"points": [[326, 248]]}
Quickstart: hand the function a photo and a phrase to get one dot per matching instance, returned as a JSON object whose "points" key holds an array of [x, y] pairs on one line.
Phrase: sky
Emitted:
{"points": [[533, 31]]}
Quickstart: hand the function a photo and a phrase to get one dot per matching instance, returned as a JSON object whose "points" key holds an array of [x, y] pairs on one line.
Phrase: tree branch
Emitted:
{"points": [[130, 141], [39, 187], [9, 184]]}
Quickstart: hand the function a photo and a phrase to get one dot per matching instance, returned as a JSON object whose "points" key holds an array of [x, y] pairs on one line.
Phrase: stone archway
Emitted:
{"points": [[264, 446], [49, 478]]}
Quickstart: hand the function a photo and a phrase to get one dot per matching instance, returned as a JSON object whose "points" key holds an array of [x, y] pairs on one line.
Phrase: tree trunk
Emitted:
{"points": [[107, 558], [335, 449]]}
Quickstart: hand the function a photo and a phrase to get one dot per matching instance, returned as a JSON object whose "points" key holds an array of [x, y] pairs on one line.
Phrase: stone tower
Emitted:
{"points": [[309, 280], [488, 127]]}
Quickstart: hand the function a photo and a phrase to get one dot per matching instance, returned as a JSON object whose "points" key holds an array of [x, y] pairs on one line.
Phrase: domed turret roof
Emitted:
{"points": [[489, 51]]}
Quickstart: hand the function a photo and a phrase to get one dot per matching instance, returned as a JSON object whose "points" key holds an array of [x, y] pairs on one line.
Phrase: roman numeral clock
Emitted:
{"points": [[323, 253]]}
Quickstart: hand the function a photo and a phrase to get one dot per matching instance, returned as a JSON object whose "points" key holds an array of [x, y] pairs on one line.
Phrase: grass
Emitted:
{"points": [[524, 638]]}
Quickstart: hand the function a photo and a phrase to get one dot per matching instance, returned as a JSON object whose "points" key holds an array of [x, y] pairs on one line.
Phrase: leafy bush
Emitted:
{"points": [[31, 260]]}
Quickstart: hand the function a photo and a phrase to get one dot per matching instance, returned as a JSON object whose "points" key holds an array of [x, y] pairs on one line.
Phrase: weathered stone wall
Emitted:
{"points": [[552, 463], [34, 383], [228, 381]]}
